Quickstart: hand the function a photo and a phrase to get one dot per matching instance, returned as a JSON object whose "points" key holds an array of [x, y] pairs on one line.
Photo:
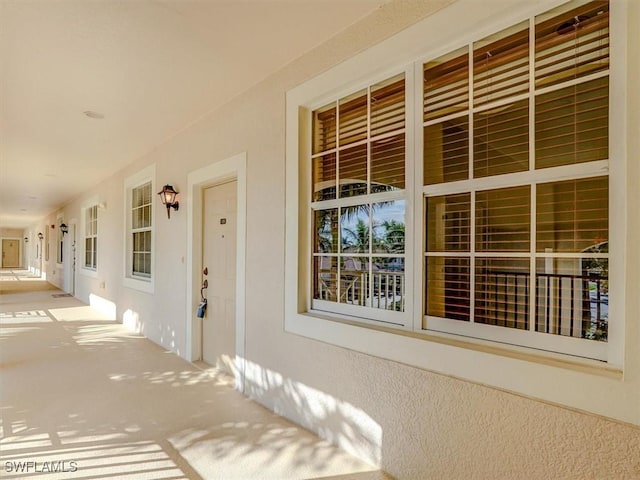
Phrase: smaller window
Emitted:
{"points": [[91, 238], [141, 230], [138, 230]]}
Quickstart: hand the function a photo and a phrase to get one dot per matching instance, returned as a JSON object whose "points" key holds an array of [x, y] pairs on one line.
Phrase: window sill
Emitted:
{"points": [[139, 284], [88, 272], [582, 384]]}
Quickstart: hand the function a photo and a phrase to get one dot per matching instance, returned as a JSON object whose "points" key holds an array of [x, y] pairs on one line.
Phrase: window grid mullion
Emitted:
{"points": [[533, 282], [472, 258], [369, 289]]}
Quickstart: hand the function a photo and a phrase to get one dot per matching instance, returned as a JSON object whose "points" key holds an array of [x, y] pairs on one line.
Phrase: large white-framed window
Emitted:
{"points": [[516, 186], [358, 203], [89, 228], [517, 194], [139, 241]]}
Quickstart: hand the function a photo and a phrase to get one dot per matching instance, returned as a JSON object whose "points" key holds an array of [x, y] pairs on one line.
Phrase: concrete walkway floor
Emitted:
{"points": [[82, 398]]}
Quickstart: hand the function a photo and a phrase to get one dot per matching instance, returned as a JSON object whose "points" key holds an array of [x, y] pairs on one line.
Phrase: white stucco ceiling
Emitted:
{"points": [[150, 66]]}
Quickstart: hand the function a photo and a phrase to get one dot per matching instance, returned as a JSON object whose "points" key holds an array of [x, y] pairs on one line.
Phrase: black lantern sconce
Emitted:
{"points": [[64, 229], [40, 236], [168, 197]]}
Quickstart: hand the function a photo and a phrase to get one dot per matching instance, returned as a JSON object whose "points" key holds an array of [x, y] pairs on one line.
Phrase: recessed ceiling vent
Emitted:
{"points": [[94, 115]]}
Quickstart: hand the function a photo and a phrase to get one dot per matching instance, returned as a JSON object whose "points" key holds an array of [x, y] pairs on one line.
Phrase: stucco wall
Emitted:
{"points": [[416, 424]]}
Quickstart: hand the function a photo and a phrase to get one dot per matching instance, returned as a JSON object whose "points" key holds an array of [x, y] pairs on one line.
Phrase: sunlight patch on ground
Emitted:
{"points": [[143, 459], [32, 316], [74, 314]]}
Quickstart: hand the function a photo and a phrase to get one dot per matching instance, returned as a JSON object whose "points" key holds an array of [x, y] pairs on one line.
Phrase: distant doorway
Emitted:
{"points": [[10, 253]]}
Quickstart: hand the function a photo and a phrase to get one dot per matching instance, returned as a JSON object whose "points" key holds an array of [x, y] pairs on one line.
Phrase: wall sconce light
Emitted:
{"points": [[64, 228], [168, 197], [40, 236]]}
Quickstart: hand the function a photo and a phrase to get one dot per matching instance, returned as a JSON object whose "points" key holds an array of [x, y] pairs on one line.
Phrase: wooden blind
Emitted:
{"points": [[324, 177], [447, 288], [572, 216], [501, 65], [572, 124], [501, 140], [446, 84], [324, 128], [353, 118], [503, 219], [388, 164], [571, 43], [446, 151], [388, 106], [448, 223], [353, 171]]}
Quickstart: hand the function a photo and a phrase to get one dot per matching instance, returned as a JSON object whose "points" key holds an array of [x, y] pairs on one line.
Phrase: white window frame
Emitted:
{"points": [[371, 315], [88, 204], [136, 282], [610, 388]]}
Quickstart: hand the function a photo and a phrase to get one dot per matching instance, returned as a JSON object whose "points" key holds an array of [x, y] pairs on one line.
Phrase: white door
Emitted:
{"points": [[72, 258], [219, 261]]}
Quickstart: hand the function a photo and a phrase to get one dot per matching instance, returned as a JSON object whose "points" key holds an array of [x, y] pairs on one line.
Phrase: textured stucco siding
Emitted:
{"points": [[414, 423]]}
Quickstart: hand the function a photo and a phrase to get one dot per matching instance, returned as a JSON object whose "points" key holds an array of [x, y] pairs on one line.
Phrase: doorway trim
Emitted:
{"points": [[232, 168], [70, 257]]}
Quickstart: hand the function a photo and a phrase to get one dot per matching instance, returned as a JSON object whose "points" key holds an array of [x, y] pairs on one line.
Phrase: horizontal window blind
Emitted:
{"points": [[503, 220], [501, 140], [571, 42], [448, 289], [388, 106], [448, 223], [388, 164], [352, 111], [352, 168], [324, 177], [446, 85], [572, 124], [572, 216], [501, 65], [446, 151], [324, 128]]}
